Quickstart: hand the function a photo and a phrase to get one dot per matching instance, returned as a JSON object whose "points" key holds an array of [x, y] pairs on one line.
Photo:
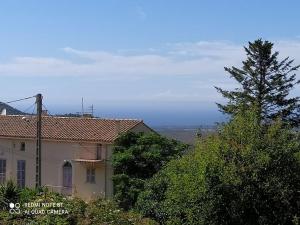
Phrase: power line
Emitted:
{"points": [[21, 99], [34, 108], [33, 105]]}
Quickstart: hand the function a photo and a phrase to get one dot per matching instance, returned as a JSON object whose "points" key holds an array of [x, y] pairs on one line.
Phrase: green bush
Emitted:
{"points": [[108, 212], [248, 174], [97, 212], [136, 158], [9, 192]]}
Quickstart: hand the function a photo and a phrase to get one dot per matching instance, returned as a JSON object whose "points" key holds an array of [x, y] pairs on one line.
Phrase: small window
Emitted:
{"points": [[90, 175], [22, 147], [2, 170], [99, 151]]}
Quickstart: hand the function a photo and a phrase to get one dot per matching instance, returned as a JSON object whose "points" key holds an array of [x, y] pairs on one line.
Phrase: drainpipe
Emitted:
{"points": [[105, 175]]}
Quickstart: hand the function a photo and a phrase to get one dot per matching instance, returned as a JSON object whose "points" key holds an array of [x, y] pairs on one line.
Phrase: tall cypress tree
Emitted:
{"points": [[265, 82]]}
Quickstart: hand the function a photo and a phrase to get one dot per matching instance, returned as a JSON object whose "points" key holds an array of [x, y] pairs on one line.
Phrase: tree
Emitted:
{"points": [[247, 174], [136, 158], [265, 82]]}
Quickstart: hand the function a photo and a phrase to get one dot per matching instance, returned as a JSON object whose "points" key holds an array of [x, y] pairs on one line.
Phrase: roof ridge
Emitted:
{"points": [[85, 118], [19, 115], [94, 118]]}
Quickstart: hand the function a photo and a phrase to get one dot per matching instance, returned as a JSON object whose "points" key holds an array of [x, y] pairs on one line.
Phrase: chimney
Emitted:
{"points": [[118, 126], [3, 112]]}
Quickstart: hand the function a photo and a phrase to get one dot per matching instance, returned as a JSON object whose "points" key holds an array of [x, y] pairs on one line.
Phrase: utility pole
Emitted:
{"points": [[39, 104]]}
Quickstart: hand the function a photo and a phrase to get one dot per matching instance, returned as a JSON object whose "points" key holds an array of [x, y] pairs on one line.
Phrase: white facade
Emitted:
{"points": [[54, 156]]}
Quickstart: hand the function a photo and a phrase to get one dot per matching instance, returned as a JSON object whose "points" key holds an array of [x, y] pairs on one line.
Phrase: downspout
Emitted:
{"points": [[105, 175], [12, 162]]}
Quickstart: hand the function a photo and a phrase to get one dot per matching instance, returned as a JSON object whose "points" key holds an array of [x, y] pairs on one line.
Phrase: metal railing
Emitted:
{"points": [[68, 191]]}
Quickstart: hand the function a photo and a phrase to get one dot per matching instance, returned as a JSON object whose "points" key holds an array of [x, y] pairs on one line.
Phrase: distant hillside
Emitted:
{"points": [[68, 115], [10, 110], [186, 134]]}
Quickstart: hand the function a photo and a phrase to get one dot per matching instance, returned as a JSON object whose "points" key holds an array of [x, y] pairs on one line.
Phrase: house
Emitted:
{"points": [[76, 152]]}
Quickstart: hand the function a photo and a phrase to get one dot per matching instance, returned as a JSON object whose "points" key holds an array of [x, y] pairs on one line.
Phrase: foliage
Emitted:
{"points": [[9, 192], [99, 211], [137, 157], [127, 189], [107, 212], [265, 82], [248, 174]]}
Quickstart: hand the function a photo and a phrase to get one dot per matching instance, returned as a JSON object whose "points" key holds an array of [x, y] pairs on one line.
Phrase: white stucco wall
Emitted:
{"points": [[54, 155]]}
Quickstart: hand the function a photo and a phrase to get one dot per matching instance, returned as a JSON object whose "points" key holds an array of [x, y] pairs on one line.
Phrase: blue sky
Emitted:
{"points": [[155, 60]]}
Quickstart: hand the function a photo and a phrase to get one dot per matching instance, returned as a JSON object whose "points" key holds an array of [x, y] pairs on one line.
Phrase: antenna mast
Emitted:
{"points": [[82, 109]]}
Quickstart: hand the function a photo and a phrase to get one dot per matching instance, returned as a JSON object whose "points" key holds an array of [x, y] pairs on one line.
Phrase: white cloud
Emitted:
{"points": [[184, 96], [214, 49], [204, 59], [289, 48]]}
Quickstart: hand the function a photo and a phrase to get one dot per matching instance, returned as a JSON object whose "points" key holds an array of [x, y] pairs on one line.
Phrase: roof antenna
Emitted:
{"points": [[82, 110], [91, 110]]}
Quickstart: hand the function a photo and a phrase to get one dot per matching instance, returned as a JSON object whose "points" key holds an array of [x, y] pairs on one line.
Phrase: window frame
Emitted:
{"points": [[91, 175], [99, 151], [21, 173], [67, 175], [2, 170]]}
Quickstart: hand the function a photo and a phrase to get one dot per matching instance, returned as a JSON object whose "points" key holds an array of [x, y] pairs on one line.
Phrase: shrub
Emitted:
{"points": [[9, 192], [248, 174], [136, 158], [97, 212]]}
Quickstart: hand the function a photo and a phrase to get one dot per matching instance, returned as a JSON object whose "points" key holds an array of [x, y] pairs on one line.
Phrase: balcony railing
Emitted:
{"points": [[67, 191]]}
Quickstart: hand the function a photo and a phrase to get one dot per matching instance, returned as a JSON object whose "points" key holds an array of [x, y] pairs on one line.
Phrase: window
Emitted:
{"points": [[22, 146], [67, 175], [90, 175], [99, 151], [2, 170], [21, 173]]}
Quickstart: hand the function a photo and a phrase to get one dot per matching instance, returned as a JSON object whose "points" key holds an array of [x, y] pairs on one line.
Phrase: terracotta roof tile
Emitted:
{"points": [[66, 128]]}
